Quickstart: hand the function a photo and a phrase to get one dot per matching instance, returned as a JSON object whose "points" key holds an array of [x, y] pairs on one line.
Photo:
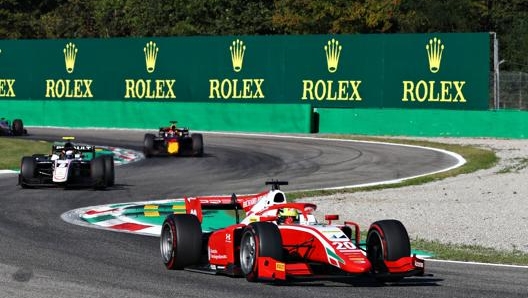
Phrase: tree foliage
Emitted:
{"points": [[121, 18]]}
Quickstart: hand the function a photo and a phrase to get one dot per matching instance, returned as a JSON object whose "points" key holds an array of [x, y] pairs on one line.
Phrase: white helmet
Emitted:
{"points": [[69, 154]]}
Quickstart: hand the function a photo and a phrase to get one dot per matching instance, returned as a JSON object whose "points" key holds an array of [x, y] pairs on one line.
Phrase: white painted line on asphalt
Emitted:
{"points": [[8, 172], [478, 263]]}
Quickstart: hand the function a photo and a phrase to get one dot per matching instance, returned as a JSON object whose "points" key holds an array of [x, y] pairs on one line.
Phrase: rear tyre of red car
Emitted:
{"points": [[259, 239], [180, 241], [148, 145], [27, 171], [197, 144], [18, 127], [387, 240]]}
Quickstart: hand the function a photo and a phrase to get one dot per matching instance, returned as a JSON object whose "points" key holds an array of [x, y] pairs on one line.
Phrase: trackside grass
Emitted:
{"points": [[13, 149], [471, 253]]}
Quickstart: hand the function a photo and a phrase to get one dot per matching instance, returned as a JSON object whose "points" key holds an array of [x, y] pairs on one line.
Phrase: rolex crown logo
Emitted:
{"points": [[434, 49], [70, 53], [333, 50], [237, 54], [151, 53]]}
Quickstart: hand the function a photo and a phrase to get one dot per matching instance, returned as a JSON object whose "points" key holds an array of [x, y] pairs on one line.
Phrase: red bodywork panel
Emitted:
{"points": [[271, 269], [223, 246], [310, 244]]}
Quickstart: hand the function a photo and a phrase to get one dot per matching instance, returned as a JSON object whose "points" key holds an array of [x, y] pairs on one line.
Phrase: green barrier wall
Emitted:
{"points": [[408, 71], [449, 123], [290, 118]]}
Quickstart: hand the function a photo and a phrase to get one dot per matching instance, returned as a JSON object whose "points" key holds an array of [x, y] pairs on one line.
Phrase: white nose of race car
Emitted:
{"points": [[60, 173]]}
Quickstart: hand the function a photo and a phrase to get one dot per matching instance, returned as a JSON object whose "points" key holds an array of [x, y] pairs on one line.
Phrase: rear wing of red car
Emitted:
{"points": [[195, 205]]}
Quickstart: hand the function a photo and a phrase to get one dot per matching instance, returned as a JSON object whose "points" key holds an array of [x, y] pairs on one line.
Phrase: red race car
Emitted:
{"points": [[280, 241]]}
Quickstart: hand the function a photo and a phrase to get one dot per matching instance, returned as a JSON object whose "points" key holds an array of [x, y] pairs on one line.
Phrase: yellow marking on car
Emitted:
{"points": [[173, 147], [280, 266]]}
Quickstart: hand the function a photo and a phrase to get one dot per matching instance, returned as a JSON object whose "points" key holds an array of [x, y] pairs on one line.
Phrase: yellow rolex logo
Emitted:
{"points": [[333, 50], [151, 53], [70, 52], [237, 54], [434, 49]]}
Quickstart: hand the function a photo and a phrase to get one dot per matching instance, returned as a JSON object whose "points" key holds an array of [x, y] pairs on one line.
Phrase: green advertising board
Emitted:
{"points": [[433, 71]]}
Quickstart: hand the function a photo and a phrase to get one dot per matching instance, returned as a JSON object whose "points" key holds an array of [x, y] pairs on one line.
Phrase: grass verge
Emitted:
{"points": [[13, 149], [471, 253]]}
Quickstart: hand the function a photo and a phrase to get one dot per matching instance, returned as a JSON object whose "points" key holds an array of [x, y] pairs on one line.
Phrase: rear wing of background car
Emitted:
{"points": [[81, 148]]}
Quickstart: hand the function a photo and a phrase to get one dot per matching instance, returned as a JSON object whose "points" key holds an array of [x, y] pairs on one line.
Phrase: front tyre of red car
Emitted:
{"points": [[387, 240], [259, 239], [180, 241]]}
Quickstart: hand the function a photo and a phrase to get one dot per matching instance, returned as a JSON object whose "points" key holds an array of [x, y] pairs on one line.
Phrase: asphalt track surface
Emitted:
{"points": [[43, 256]]}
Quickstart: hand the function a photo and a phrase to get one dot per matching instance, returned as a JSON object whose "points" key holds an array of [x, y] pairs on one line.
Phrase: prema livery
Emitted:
{"points": [[280, 241]]}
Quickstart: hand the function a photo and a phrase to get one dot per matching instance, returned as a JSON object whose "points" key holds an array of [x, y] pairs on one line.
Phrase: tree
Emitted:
{"points": [[341, 16], [442, 16], [509, 18], [20, 18]]}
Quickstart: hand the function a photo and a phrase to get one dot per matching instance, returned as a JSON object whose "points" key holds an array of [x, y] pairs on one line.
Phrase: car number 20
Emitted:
{"points": [[344, 245]]}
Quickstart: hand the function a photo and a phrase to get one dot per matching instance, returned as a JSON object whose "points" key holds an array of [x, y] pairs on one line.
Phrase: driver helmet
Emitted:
{"points": [[288, 216], [69, 154], [68, 146]]}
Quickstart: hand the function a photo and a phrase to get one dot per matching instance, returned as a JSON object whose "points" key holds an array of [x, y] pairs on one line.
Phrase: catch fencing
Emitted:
{"points": [[513, 90]]}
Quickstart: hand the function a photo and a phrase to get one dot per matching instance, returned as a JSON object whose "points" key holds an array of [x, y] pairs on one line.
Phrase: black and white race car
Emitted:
{"points": [[14, 128], [68, 165]]}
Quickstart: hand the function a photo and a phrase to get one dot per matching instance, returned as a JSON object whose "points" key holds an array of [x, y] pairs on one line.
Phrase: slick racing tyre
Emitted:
{"points": [[259, 239], [28, 168], [148, 145], [387, 240], [109, 170], [197, 144], [180, 241], [18, 127], [97, 167]]}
